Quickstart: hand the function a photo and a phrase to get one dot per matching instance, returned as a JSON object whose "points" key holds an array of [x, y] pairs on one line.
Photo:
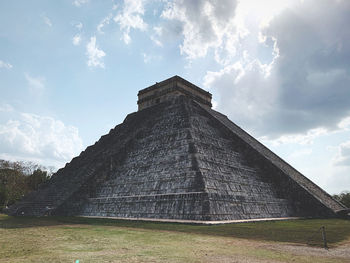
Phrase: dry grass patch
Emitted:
{"points": [[91, 240]]}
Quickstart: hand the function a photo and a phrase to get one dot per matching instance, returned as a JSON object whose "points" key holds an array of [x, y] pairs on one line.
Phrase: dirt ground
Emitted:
{"points": [[295, 253]]}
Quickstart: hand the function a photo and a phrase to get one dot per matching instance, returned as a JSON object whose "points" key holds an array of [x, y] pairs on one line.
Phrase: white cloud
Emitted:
{"points": [[76, 40], [344, 124], [338, 181], [36, 84], [6, 108], [47, 20], [25, 136], [303, 90], [343, 156], [300, 153], [147, 58], [105, 21], [5, 65], [247, 93], [79, 26], [301, 138], [95, 55], [131, 18], [79, 3], [203, 24], [158, 31]]}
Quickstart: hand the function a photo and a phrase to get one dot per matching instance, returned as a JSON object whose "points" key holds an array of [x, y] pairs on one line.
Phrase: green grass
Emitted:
{"points": [[65, 239]]}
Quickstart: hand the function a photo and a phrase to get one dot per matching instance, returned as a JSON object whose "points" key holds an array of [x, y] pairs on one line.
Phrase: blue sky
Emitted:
{"points": [[70, 70]]}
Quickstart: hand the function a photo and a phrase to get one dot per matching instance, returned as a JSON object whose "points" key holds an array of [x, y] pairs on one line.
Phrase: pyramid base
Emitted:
{"points": [[198, 221], [193, 206]]}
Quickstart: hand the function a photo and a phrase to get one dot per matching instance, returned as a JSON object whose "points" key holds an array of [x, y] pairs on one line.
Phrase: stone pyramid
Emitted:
{"points": [[177, 159]]}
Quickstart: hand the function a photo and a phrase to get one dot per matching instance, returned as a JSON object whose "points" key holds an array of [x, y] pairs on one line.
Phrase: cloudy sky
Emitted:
{"points": [[70, 70]]}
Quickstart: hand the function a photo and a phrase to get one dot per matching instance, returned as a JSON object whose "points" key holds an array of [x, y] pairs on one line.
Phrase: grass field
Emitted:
{"points": [[59, 239]]}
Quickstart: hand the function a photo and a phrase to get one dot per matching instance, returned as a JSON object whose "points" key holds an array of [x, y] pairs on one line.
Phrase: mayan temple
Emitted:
{"points": [[178, 159]]}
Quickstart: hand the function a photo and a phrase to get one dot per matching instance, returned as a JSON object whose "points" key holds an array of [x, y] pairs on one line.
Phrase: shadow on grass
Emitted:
{"points": [[295, 231], [10, 222]]}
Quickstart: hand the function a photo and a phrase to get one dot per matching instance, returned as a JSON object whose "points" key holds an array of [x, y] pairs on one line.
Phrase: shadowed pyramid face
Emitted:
{"points": [[178, 159]]}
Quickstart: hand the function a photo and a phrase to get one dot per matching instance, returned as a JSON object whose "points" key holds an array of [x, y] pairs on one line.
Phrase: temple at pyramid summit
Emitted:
{"points": [[178, 159]]}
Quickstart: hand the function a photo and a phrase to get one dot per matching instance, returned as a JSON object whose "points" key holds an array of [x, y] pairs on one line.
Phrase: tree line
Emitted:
{"points": [[19, 178], [344, 198]]}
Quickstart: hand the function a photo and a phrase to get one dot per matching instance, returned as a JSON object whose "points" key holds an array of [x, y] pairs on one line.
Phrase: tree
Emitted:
{"points": [[36, 178], [13, 186], [344, 198], [18, 179]]}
